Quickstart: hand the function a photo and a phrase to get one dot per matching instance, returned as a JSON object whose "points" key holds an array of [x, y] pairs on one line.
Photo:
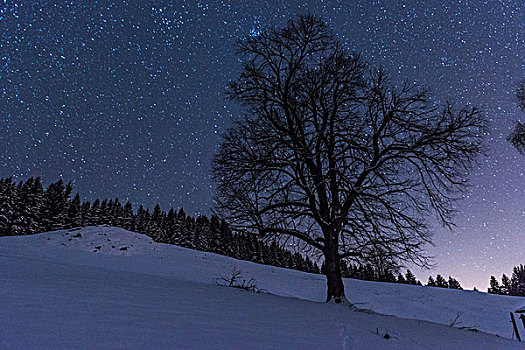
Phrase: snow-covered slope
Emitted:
{"points": [[107, 288]]}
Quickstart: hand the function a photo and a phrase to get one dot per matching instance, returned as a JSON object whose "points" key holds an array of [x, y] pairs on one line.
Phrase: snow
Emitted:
{"points": [[108, 288]]}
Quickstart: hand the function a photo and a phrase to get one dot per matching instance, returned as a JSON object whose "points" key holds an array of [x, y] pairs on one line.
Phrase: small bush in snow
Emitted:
{"points": [[236, 280]]}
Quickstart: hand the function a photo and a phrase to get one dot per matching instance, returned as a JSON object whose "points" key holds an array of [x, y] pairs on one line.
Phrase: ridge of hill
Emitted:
{"points": [[105, 287]]}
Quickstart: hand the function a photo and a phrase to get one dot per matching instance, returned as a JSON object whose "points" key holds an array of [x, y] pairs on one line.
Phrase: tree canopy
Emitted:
{"points": [[517, 137], [334, 156]]}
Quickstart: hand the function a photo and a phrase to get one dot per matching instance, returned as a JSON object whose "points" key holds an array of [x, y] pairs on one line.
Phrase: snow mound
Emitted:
{"points": [[100, 239], [79, 289]]}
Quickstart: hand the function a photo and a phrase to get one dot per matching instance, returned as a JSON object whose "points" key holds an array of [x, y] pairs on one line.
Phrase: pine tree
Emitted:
{"points": [[410, 278], [117, 217], [95, 213], [27, 219], [226, 242], [67, 191], [312, 267], [215, 237], [74, 212], [506, 287], [37, 203], [441, 282], [258, 251], [172, 227], [86, 214], [288, 259], [494, 286], [431, 282], [7, 205], [55, 205], [202, 233], [401, 279], [19, 225], [104, 214], [187, 232], [518, 281], [453, 283], [154, 228], [388, 277], [368, 273], [127, 216], [141, 220], [181, 215]]}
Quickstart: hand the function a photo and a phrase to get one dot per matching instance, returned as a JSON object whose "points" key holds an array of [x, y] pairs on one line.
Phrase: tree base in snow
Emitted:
{"points": [[339, 300]]}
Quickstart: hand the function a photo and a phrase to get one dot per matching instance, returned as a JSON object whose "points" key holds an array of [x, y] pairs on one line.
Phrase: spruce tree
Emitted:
{"points": [[227, 238], [19, 224], [55, 205], [441, 282], [28, 207], [95, 213], [38, 202], [401, 279], [494, 286], [141, 220], [85, 213], [104, 214], [431, 282], [127, 216], [117, 217], [518, 281], [215, 237], [368, 273], [453, 283], [506, 287], [74, 212], [202, 233], [7, 205], [410, 278], [154, 227]]}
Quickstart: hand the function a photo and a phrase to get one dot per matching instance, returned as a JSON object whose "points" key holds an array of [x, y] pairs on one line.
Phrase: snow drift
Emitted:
{"points": [[108, 288]]}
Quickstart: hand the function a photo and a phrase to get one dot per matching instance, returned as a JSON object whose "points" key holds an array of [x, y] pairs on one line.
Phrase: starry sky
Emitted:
{"points": [[126, 98]]}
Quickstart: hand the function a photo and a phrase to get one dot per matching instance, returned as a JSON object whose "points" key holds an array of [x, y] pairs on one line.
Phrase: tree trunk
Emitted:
{"points": [[336, 289]]}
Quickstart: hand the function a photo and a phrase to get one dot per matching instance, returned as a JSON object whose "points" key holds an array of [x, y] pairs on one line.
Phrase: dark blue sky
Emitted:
{"points": [[126, 98]]}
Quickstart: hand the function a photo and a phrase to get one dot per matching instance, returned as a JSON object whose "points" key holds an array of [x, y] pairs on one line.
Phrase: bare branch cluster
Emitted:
{"points": [[236, 280], [517, 137], [333, 154], [520, 95]]}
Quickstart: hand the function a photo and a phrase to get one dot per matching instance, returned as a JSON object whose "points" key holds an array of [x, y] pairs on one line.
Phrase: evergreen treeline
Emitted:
{"points": [[509, 286], [441, 282], [368, 272], [26, 208]]}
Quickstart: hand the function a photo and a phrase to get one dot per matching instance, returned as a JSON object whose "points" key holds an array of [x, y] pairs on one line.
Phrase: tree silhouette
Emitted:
{"points": [[517, 137], [334, 156], [494, 286], [431, 282], [520, 95], [453, 283], [441, 282], [410, 278]]}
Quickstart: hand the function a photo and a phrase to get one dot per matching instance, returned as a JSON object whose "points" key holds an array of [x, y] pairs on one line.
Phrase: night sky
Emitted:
{"points": [[126, 98]]}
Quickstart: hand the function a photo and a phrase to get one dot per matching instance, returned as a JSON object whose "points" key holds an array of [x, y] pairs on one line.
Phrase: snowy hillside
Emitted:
{"points": [[107, 288]]}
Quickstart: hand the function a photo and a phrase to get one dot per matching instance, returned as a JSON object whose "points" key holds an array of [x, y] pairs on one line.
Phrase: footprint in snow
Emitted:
{"points": [[346, 341]]}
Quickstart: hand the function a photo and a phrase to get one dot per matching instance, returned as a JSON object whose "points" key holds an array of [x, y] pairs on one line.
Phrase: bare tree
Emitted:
{"points": [[334, 157], [517, 137], [520, 95]]}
